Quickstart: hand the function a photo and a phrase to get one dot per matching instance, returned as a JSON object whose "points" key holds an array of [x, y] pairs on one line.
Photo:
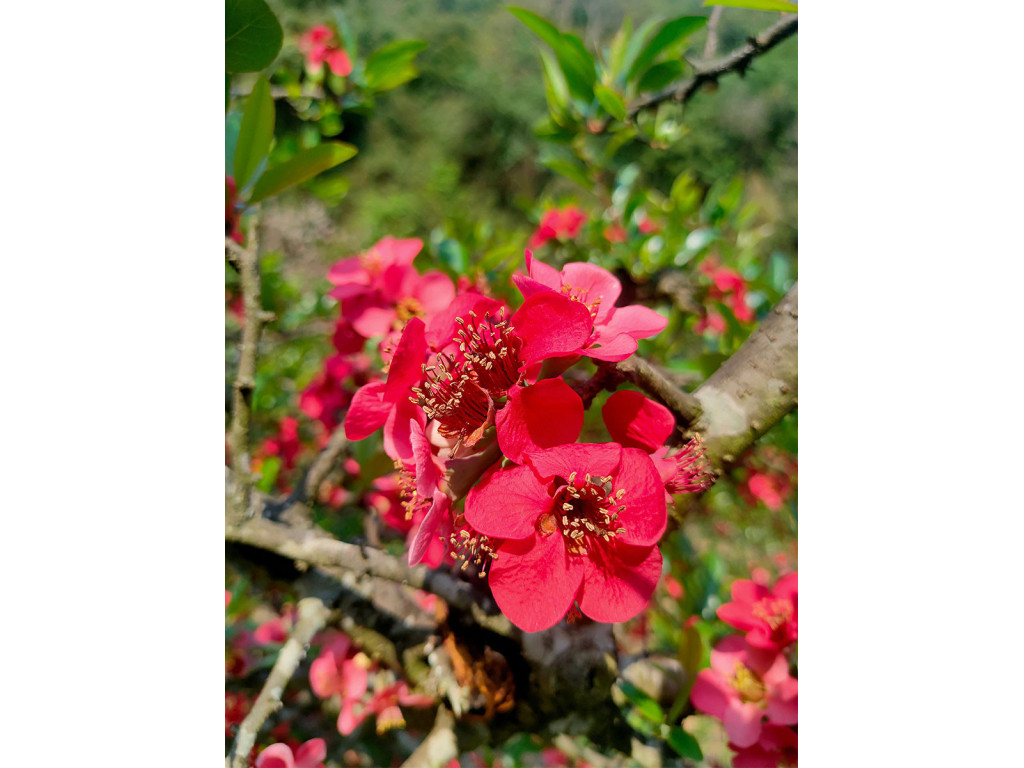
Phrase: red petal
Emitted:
{"points": [[435, 292], [442, 327], [427, 533], [339, 62], [535, 581], [785, 588], [407, 364], [612, 350], [636, 320], [621, 591], [711, 693], [368, 411], [310, 753], [544, 415], [597, 282], [747, 591], [528, 286], [275, 756], [583, 458], [506, 504], [397, 435], [646, 512], [542, 273], [551, 325], [738, 615], [637, 422]]}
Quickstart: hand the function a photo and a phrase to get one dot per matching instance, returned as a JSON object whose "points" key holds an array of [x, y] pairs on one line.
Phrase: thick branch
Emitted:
{"points": [[737, 61], [312, 617], [653, 382], [247, 262], [754, 388]]}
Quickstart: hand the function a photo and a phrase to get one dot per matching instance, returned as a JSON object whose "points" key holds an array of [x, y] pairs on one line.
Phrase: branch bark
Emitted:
{"points": [[655, 383], [754, 388], [440, 745], [246, 260], [737, 61], [312, 616]]}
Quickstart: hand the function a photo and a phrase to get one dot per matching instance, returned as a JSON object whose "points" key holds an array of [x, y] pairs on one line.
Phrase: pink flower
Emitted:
{"points": [[638, 422], [309, 755], [560, 224], [385, 705], [588, 519], [743, 686], [769, 617], [728, 287], [615, 330], [276, 630], [285, 443], [335, 671], [771, 476], [647, 226], [777, 748], [319, 47], [232, 217], [327, 395]]}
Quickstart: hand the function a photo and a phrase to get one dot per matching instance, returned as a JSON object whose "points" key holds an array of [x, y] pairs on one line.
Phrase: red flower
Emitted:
{"points": [[615, 330], [276, 630], [769, 617], [638, 422], [560, 224], [337, 671], [385, 704], [777, 748], [744, 685], [728, 287], [236, 707], [285, 443], [326, 395], [615, 233], [318, 45], [587, 522], [232, 216], [309, 755]]}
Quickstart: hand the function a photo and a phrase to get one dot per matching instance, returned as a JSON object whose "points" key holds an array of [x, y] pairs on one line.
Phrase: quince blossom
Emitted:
{"points": [[319, 46], [558, 224], [337, 670], [309, 755], [768, 616], [615, 330]]}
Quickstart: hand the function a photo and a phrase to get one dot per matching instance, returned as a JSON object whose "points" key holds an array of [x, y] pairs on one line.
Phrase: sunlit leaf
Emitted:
{"points": [[572, 56], [301, 167], [255, 133], [393, 65], [611, 101], [660, 75], [647, 706], [757, 5], [671, 33], [684, 743], [252, 35]]}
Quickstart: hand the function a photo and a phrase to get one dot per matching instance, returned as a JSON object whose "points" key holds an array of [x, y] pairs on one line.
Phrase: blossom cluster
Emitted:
{"points": [[484, 431], [749, 686]]}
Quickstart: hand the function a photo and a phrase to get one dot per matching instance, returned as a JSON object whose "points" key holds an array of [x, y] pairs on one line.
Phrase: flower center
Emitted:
{"points": [[408, 308], [412, 502], [492, 351], [586, 514], [774, 612], [450, 396], [748, 685], [693, 472], [471, 546], [582, 295]]}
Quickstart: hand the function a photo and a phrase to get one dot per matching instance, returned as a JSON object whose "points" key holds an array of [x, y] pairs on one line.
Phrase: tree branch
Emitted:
{"points": [[754, 388], [312, 616], [246, 260], [322, 465], [737, 61], [440, 745], [655, 383]]}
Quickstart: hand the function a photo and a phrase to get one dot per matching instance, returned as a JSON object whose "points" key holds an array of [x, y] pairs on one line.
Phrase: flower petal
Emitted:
{"points": [[535, 581], [310, 753], [368, 411], [747, 591], [646, 511], [544, 415], [597, 282], [440, 507], [276, 756], [742, 723], [506, 503], [551, 325], [339, 62], [635, 421], [542, 273], [711, 693], [407, 364], [611, 349], [636, 320], [593, 458], [621, 587]]}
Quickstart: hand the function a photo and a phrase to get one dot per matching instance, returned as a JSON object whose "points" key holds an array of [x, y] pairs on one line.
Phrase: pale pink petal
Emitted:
{"points": [[435, 292], [742, 723], [276, 756], [597, 282], [711, 693], [311, 753], [638, 321]]}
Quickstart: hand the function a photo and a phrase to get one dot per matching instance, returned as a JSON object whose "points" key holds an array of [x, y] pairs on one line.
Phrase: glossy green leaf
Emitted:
{"points": [[453, 255], [393, 65], [647, 706], [255, 133], [556, 90], [757, 5], [573, 58], [671, 33], [252, 35], [660, 75], [684, 743], [636, 44], [303, 166], [611, 101], [571, 171], [232, 123]]}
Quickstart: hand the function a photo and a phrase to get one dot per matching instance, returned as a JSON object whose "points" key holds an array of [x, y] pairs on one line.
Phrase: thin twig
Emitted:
{"points": [[737, 61], [711, 46], [322, 465], [248, 265], [653, 382], [312, 616]]}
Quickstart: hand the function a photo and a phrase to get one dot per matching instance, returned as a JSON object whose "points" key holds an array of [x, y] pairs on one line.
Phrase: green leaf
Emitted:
{"points": [[268, 473], [255, 133], [660, 75], [252, 35], [636, 44], [571, 171], [671, 33], [393, 65], [573, 58], [232, 123], [305, 165], [556, 91], [453, 255], [757, 5], [684, 743], [647, 706], [611, 101]]}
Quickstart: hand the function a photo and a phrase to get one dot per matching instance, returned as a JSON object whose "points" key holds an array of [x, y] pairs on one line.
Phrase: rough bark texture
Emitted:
{"points": [[754, 388]]}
